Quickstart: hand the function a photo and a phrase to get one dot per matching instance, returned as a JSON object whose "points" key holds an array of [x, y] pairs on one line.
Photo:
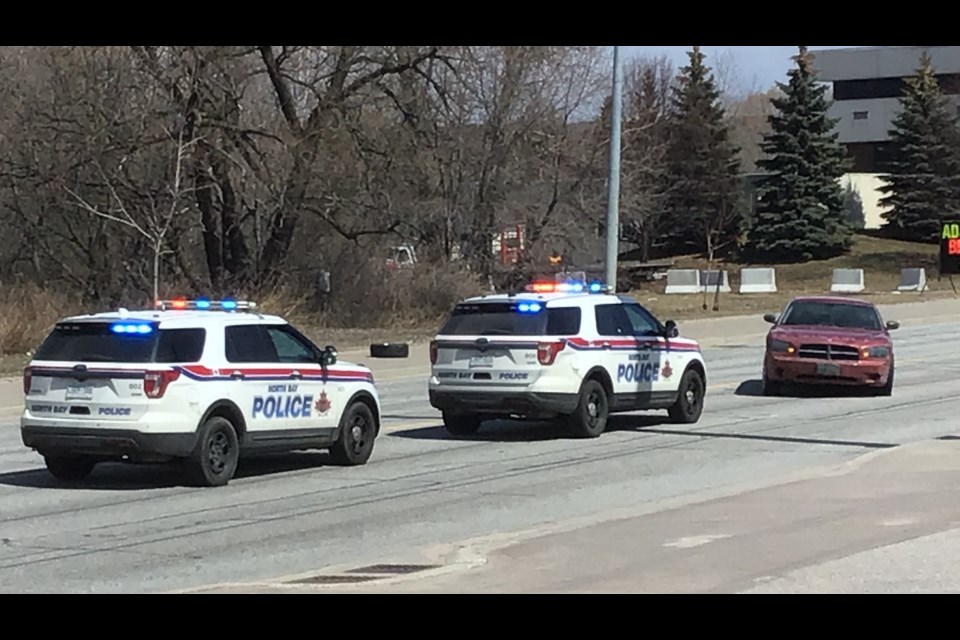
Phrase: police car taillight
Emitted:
{"points": [[547, 351], [155, 382], [433, 352], [27, 379]]}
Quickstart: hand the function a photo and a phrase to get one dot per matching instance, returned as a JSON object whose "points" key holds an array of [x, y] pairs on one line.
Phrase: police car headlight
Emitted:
{"points": [[781, 346], [876, 352]]}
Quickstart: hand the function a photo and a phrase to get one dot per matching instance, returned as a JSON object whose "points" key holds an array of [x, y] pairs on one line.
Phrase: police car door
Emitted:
{"points": [[277, 382], [649, 337], [632, 360]]}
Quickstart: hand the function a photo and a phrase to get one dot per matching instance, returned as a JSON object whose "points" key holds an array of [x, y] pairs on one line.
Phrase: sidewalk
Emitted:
{"points": [[876, 524]]}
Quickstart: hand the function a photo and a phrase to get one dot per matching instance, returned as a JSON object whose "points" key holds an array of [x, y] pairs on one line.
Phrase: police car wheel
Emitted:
{"points": [[589, 420], [69, 468], [689, 404], [217, 453], [390, 350], [461, 425], [357, 432]]}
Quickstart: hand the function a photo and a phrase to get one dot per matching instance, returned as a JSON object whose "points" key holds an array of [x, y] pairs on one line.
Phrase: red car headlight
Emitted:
{"points": [[780, 346], [875, 352]]}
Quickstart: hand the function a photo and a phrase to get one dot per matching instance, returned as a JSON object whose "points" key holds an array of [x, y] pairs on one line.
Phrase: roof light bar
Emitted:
{"points": [[567, 287], [205, 304]]}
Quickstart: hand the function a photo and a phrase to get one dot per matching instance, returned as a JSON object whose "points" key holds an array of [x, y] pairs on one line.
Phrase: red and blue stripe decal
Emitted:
{"points": [[633, 344], [275, 374]]}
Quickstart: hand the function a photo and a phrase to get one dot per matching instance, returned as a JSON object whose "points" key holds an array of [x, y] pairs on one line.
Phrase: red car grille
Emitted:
{"points": [[828, 352]]}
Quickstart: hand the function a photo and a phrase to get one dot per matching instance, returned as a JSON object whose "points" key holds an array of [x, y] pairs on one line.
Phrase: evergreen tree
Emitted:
{"points": [[923, 186], [703, 166], [801, 213]]}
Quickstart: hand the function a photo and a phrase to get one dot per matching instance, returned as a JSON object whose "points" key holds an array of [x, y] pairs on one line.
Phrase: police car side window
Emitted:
{"points": [[563, 321], [290, 348], [612, 320], [249, 343], [641, 322]]}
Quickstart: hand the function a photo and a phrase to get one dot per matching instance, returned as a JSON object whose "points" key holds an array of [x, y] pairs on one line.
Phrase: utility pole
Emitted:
{"points": [[613, 181]]}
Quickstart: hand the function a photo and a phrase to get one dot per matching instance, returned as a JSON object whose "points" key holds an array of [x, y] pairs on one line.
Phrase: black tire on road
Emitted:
{"points": [[69, 468], [887, 389], [461, 425], [689, 404], [390, 350], [358, 429], [589, 420], [771, 387], [217, 454]]}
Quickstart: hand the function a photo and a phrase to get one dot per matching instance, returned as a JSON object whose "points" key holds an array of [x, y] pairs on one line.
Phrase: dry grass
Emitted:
{"points": [[881, 259]]}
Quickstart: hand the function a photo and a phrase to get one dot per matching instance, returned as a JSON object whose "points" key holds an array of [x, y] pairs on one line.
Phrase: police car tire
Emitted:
{"points": [[390, 350], [461, 425], [580, 422], [347, 451], [69, 468], [220, 433], [681, 411]]}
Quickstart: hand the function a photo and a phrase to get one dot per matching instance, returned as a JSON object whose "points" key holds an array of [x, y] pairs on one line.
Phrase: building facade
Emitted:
{"points": [[867, 84]]}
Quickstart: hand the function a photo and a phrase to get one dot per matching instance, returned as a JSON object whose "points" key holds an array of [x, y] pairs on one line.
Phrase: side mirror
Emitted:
{"points": [[329, 356], [892, 324], [771, 318], [670, 329]]}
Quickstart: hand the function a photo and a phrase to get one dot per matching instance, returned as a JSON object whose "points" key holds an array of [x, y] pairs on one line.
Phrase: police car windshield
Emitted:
{"points": [[832, 314], [505, 319], [96, 342]]}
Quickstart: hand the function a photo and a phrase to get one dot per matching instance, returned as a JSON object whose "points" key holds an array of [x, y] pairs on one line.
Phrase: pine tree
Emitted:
{"points": [[703, 166], [923, 186], [801, 213]]}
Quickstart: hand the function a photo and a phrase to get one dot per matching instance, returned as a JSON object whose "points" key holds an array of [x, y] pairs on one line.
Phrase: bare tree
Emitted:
{"points": [[154, 221]]}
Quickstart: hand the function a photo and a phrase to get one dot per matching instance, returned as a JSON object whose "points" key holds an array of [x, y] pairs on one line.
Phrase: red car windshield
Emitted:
{"points": [[832, 314]]}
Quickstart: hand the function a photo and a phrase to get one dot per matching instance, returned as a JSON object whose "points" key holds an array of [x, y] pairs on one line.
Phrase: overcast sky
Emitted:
{"points": [[756, 67]]}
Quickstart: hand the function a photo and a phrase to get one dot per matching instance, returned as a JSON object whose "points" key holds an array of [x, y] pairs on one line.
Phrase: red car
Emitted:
{"points": [[829, 340]]}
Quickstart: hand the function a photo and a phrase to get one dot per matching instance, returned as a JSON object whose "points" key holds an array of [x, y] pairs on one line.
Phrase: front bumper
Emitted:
{"points": [[528, 404], [107, 443], [873, 373]]}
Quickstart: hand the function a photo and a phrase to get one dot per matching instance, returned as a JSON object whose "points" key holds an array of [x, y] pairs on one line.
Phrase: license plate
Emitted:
{"points": [[79, 392], [824, 369], [481, 361]]}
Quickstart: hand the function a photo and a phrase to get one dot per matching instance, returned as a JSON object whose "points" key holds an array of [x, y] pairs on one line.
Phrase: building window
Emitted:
{"points": [[860, 115]]}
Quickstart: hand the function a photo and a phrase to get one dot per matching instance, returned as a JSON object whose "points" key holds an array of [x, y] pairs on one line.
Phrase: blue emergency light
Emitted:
{"points": [[529, 307], [131, 328]]}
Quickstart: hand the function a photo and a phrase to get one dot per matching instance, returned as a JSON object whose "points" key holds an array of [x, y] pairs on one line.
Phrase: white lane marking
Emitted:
{"points": [[688, 542]]}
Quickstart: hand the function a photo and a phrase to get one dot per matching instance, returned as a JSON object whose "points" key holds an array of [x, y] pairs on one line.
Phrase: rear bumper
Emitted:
{"points": [[107, 443], [805, 371], [523, 403]]}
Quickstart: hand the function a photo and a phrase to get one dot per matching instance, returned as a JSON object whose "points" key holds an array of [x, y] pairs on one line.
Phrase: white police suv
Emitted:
{"points": [[199, 381], [561, 350]]}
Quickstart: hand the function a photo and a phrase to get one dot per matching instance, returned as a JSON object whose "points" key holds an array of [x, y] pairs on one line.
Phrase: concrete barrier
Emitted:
{"points": [[683, 281], [758, 280], [913, 280], [847, 281], [709, 280]]}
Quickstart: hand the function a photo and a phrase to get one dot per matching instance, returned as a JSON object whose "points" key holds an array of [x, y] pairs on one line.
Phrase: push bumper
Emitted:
{"points": [[833, 372], [521, 403], [107, 443]]}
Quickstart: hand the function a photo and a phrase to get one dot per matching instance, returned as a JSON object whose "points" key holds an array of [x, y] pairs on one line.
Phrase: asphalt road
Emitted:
{"points": [[132, 529]]}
